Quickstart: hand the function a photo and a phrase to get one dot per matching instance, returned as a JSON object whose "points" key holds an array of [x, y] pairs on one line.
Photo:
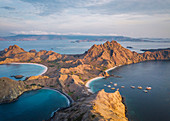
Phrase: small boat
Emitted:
{"points": [[111, 82], [148, 88], [113, 88], [139, 87], [115, 84], [122, 86], [108, 86], [145, 91], [133, 87], [104, 84]]}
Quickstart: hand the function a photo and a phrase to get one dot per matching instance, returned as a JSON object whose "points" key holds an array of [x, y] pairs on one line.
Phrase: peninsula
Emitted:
{"points": [[70, 73]]}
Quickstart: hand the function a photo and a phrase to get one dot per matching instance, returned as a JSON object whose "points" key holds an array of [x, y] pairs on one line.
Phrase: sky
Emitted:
{"points": [[133, 18]]}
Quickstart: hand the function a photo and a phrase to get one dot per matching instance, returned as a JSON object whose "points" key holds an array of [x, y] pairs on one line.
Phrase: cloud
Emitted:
{"points": [[134, 7], [7, 8], [47, 7], [122, 17], [55, 33]]}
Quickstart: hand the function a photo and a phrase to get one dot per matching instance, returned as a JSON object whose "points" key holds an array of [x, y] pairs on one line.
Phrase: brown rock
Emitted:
{"points": [[18, 76], [37, 77], [110, 106]]}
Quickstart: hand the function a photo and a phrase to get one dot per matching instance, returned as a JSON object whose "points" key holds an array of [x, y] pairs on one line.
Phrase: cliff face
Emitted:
{"points": [[110, 106], [102, 106], [10, 89]]}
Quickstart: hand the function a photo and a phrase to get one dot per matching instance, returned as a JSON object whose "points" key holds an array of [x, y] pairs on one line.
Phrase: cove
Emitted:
{"points": [[25, 69], [34, 106], [141, 106]]}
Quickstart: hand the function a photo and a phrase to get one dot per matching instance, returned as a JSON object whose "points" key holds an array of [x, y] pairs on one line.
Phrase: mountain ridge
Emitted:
{"points": [[70, 73]]}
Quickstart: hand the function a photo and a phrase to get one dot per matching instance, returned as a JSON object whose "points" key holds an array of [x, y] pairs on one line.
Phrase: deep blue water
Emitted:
{"points": [[67, 47], [33, 106], [151, 106], [20, 69]]}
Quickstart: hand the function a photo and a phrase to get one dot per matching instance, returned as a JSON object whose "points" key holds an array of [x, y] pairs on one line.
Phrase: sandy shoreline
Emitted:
{"points": [[45, 67], [87, 84], [99, 77]]}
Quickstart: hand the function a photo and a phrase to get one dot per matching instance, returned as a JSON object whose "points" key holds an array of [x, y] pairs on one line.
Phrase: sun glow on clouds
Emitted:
{"points": [[94, 17]]}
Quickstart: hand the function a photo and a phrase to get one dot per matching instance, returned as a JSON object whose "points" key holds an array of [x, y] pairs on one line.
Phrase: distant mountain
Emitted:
{"points": [[31, 37], [80, 38]]}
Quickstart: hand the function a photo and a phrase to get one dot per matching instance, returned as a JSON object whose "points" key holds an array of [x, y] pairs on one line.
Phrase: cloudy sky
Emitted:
{"points": [[133, 18]]}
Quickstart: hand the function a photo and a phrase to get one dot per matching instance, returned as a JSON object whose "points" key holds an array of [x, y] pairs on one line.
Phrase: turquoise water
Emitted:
{"points": [[151, 106], [33, 106], [20, 69]]}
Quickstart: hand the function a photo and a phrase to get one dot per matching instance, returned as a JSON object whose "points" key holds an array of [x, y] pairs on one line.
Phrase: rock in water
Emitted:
{"points": [[18, 76]]}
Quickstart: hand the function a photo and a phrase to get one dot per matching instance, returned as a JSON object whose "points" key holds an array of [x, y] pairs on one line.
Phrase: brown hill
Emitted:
{"points": [[112, 54], [16, 54], [10, 89]]}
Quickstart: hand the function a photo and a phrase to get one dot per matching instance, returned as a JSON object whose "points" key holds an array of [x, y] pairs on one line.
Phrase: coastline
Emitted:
{"points": [[111, 68], [13, 100], [99, 77], [70, 100], [45, 67], [89, 81]]}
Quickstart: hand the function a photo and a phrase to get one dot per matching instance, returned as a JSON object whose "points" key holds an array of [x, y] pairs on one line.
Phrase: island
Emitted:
{"points": [[70, 73]]}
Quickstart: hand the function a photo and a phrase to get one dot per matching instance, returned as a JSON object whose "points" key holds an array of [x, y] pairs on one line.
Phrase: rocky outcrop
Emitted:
{"points": [[10, 90], [110, 106], [18, 76], [37, 77], [99, 107]]}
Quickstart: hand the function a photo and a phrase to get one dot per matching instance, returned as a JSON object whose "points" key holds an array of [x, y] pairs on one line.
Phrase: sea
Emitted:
{"points": [[35, 105], [151, 106], [24, 69], [70, 46], [38, 105]]}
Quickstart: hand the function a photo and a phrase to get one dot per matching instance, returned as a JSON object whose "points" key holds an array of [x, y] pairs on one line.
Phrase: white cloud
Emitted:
{"points": [[134, 18], [55, 33]]}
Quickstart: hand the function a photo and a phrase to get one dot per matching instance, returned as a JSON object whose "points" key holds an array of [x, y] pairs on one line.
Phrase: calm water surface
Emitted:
{"points": [[151, 106], [20, 69], [33, 106], [68, 47]]}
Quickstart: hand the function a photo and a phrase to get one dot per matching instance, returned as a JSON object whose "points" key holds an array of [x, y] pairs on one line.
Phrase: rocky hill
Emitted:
{"points": [[112, 54], [10, 89], [101, 106], [16, 54], [69, 74]]}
